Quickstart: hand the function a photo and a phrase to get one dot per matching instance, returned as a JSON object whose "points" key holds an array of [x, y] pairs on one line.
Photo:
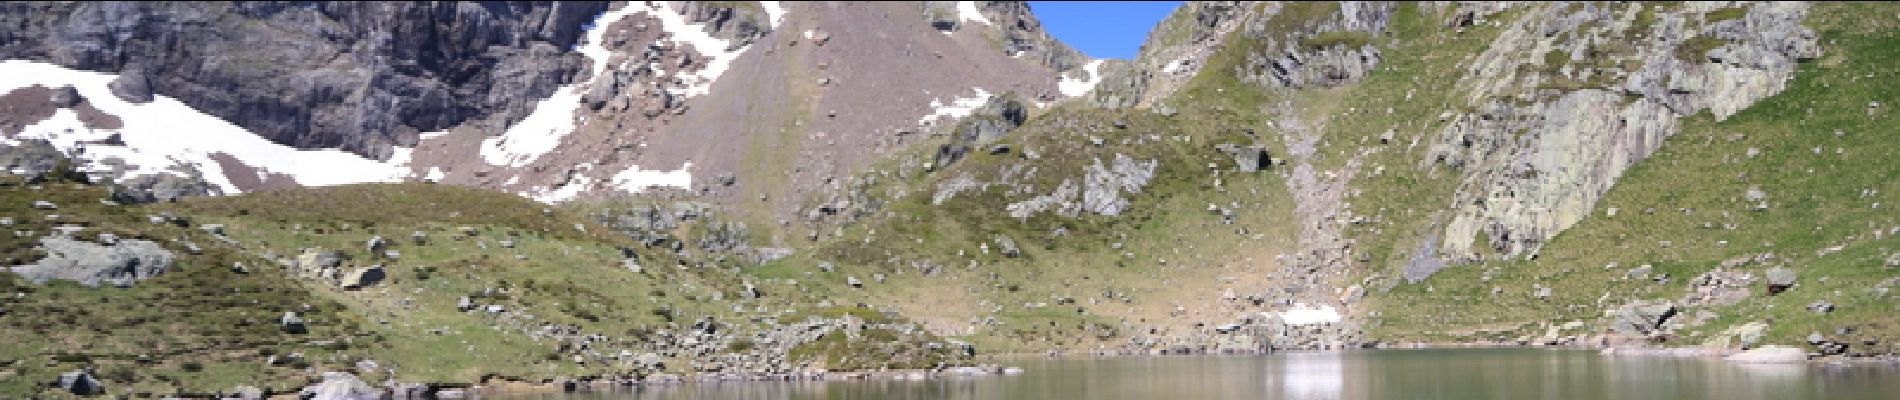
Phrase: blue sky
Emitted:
{"points": [[1102, 29]]}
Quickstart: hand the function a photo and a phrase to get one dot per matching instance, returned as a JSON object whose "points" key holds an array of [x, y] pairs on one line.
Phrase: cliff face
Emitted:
{"points": [[358, 76], [1567, 100]]}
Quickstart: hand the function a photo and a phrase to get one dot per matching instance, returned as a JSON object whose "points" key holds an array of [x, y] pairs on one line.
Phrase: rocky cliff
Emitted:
{"points": [[357, 76]]}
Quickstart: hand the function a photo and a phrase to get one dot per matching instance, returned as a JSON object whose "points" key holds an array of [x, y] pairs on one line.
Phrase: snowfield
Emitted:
{"points": [[166, 133]]}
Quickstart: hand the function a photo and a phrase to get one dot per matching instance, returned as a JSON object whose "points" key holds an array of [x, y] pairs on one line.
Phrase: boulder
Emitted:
{"points": [[341, 386], [376, 245], [66, 97], [1642, 318], [291, 323], [1770, 355], [362, 277], [1780, 279], [90, 264], [1821, 307], [1008, 246], [853, 281], [132, 85], [80, 383], [245, 393]]}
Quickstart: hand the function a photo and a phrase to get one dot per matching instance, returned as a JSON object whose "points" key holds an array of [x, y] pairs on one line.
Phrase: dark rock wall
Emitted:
{"points": [[360, 76]]}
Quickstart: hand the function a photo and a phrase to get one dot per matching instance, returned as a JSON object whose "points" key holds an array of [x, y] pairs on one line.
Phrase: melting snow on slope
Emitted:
{"points": [[967, 11], [635, 179], [1078, 87], [775, 11], [1303, 315], [166, 132], [958, 108], [553, 118]]}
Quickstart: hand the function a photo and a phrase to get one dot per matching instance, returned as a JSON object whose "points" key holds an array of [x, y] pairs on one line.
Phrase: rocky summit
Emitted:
{"points": [[406, 199]]}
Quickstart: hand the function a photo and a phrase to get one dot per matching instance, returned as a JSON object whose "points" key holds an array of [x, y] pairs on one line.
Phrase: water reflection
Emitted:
{"points": [[1310, 375], [1387, 374]]}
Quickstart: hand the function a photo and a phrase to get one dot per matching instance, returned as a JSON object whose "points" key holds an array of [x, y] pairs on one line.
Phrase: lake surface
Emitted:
{"points": [[1459, 374]]}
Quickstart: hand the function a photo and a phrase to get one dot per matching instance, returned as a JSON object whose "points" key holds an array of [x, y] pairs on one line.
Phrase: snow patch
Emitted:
{"points": [[1175, 66], [435, 174], [967, 11], [1078, 87], [634, 179], [553, 118], [165, 133], [1301, 314], [957, 108], [775, 11], [719, 55]]}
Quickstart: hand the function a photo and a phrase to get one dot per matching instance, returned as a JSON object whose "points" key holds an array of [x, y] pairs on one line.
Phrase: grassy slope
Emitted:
{"points": [[202, 328], [1816, 203]]}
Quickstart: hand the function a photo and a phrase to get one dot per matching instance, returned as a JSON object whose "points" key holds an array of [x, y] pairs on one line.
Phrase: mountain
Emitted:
{"points": [[646, 192]]}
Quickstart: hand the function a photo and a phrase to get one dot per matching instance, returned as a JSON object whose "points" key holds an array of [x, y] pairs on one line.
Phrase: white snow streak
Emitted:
{"points": [[165, 132], [1303, 315], [636, 180], [1078, 87], [553, 118], [775, 11], [958, 108], [967, 11]]}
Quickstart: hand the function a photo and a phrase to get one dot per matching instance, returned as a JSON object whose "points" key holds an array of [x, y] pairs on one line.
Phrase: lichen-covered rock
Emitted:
{"points": [[91, 264]]}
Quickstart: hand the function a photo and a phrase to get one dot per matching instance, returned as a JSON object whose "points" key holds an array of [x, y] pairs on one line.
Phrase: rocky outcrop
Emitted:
{"points": [[31, 158], [1297, 49], [1174, 52], [162, 188], [359, 76], [1104, 185], [119, 264], [1023, 36], [1548, 136], [997, 116]]}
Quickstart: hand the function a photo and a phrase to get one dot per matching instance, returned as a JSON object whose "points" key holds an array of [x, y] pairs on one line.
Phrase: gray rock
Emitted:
{"points": [[362, 277], [1780, 279], [30, 157], [132, 85], [66, 97], [376, 245], [341, 386], [1247, 158], [245, 393], [80, 383], [1008, 246], [853, 281], [1821, 307], [1642, 318], [162, 188], [291, 323], [90, 264]]}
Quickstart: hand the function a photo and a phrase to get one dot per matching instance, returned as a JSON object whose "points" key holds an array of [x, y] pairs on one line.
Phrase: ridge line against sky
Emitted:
{"points": [[1102, 29]]}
